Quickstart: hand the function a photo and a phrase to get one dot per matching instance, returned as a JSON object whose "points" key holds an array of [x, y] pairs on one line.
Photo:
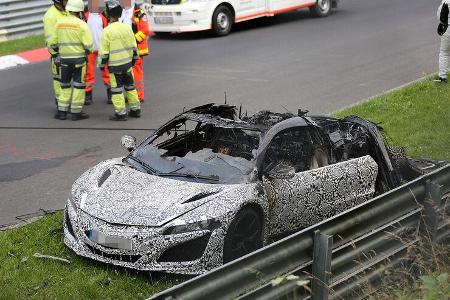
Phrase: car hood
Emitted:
{"points": [[119, 194]]}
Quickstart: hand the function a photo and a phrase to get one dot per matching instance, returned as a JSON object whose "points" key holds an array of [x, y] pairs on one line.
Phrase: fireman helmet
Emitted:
{"points": [[75, 5]]}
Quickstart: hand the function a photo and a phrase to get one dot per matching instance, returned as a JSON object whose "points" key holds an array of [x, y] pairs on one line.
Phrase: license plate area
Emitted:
{"points": [[115, 242], [163, 20]]}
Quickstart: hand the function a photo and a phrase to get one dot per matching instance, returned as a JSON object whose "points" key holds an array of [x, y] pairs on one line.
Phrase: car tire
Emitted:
{"points": [[162, 34], [321, 9], [222, 21], [244, 234]]}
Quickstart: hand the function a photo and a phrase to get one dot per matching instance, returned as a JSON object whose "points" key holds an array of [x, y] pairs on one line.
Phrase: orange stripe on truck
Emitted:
{"points": [[273, 12]]}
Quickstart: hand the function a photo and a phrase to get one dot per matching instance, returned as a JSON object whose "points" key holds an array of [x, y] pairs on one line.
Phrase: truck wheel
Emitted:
{"points": [[321, 9], [222, 21]]}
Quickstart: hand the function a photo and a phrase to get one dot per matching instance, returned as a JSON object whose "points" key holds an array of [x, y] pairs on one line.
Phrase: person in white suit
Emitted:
{"points": [[444, 52]]}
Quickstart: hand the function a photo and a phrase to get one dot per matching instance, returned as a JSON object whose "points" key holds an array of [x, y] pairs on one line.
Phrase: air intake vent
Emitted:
{"points": [[117, 257], [103, 178], [200, 196]]}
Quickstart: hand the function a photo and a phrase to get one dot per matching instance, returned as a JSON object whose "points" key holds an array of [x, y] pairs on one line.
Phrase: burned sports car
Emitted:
{"points": [[212, 185]]}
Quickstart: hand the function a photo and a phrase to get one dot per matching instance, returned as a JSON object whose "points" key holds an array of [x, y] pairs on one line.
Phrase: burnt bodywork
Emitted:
{"points": [[211, 185]]}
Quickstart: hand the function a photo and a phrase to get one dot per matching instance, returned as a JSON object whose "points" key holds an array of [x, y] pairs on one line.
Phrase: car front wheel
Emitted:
{"points": [[222, 21], [321, 9], [244, 234]]}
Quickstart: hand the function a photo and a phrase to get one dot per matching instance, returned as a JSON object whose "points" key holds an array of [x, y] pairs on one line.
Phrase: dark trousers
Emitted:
{"points": [[72, 75], [123, 80]]}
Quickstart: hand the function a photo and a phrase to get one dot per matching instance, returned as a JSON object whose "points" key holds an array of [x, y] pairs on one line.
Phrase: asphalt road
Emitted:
{"points": [[290, 61]]}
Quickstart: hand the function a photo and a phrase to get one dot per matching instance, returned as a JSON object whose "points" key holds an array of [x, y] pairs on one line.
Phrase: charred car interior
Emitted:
{"points": [[212, 133], [211, 185]]}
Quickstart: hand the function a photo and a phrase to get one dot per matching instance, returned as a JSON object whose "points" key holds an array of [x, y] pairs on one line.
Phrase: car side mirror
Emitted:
{"points": [[281, 171], [128, 142]]}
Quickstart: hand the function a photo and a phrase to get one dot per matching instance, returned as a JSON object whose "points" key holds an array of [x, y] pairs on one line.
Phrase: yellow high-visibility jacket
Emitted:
{"points": [[118, 46], [73, 39], [50, 18]]}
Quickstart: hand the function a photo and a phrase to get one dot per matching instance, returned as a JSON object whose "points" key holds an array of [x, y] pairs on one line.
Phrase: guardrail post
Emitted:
{"points": [[433, 199], [321, 269]]}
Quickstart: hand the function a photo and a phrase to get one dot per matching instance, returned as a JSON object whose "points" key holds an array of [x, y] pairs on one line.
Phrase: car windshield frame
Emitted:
{"points": [[202, 120]]}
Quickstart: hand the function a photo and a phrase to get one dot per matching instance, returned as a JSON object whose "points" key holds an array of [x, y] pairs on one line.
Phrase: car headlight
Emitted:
{"points": [[78, 199], [207, 224], [71, 201]]}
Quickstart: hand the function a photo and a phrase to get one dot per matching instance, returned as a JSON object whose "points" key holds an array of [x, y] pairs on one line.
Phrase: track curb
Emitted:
{"points": [[23, 58]]}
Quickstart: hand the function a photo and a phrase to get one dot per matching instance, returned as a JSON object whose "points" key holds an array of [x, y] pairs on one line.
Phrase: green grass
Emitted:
{"points": [[19, 45], [416, 117], [24, 276]]}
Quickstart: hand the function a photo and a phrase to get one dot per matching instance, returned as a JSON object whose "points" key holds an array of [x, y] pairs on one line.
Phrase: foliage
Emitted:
{"points": [[436, 288], [24, 44], [415, 117], [24, 276]]}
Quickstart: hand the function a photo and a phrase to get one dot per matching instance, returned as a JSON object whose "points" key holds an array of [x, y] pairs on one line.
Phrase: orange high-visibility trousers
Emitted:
{"points": [[90, 72], [138, 74]]}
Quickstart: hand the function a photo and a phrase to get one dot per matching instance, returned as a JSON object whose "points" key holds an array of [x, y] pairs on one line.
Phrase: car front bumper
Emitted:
{"points": [[180, 18], [186, 253]]}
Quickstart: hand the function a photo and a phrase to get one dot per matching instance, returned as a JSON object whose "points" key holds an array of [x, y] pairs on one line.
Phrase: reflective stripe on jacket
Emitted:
{"points": [[73, 38], [50, 18], [141, 30], [118, 45]]}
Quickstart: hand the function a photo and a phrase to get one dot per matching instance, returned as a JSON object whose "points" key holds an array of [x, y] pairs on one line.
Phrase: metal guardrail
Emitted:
{"points": [[338, 257], [20, 18]]}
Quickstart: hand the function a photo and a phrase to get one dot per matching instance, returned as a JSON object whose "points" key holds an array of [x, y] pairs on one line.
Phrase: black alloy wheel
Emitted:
{"points": [[244, 235]]}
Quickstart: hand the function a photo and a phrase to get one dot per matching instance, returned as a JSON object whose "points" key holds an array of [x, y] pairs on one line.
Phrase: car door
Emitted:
{"points": [[311, 192], [249, 9]]}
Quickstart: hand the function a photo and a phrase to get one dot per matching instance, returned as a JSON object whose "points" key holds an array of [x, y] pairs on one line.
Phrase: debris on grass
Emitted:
{"points": [[105, 282], [39, 255]]}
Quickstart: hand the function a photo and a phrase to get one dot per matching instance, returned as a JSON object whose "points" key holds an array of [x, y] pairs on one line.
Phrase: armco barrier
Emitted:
{"points": [[21, 17], [338, 257]]}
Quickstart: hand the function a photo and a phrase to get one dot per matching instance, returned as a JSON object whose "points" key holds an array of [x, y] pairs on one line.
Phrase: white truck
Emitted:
{"points": [[219, 15]]}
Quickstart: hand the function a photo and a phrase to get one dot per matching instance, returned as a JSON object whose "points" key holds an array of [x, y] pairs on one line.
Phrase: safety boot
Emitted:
{"points": [[80, 116], [117, 117], [109, 95], [88, 98], [135, 113], [61, 115]]}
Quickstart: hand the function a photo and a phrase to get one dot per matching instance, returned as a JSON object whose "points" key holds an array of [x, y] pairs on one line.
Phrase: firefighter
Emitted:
{"points": [[72, 43], [50, 18], [96, 22], [141, 31], [119, 51]]}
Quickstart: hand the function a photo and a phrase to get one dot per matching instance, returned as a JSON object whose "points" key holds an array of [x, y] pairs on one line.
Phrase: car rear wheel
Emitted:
{"points": [[321, 9], [244, 235], [222, 21]]}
